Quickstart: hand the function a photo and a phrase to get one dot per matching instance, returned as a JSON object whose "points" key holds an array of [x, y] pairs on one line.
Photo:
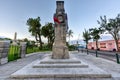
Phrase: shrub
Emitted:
{"points": [[14, 52], [71, 47]]}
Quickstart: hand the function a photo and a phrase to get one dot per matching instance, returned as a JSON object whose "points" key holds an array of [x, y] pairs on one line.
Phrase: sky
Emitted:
{"points": [[82, 14]]}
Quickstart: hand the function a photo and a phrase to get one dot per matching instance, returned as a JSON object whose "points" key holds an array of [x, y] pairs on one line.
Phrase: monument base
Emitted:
{"points": [[59, 68], [60, 52], [59, 63]]}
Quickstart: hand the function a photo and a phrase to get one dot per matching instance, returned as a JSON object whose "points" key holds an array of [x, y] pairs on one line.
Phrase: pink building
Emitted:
{"points": [[104, 45]]}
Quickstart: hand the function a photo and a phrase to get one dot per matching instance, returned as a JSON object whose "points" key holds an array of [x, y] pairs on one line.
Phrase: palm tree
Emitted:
{"points": [[86, 36], [112, 26], [70, 32], [35, 29], [48, 31], [95, 33]]}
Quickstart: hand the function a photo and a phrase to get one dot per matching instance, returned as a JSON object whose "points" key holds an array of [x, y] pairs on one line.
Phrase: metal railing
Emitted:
{"points": [[113, 55]]}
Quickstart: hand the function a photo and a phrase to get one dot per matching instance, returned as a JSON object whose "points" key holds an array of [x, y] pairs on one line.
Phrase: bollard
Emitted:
{"points": [[87, 52], [96, 53], [117, 58], [82, 50]]}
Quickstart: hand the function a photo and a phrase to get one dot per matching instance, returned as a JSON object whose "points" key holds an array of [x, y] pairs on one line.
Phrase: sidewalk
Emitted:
{"points": [[108, 66], [13, 66]]}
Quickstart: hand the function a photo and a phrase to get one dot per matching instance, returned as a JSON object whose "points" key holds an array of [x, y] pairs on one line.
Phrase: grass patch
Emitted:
{"points": [[35, 49]]}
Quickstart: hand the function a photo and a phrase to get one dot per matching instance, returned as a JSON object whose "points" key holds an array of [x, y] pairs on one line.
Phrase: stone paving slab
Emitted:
{"points": [[108, 66]]}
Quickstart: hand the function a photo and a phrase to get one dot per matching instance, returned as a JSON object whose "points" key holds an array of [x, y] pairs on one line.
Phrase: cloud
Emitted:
{"points": [[3, 37]]}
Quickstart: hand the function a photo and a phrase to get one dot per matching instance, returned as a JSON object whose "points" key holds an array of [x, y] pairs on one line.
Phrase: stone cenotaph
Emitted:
{"points": [[60, 50]]}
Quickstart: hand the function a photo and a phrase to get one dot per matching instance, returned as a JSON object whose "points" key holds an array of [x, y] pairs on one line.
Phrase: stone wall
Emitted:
{"points": [[4, 49], [22, 49]]}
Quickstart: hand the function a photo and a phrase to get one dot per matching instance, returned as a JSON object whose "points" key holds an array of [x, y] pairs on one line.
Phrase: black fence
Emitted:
{"points": [[110, 55]]}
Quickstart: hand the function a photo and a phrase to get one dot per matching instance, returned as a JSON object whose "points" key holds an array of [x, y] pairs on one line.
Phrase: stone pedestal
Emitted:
{"points": [[22, 49], [60, 50], [4, 48]]}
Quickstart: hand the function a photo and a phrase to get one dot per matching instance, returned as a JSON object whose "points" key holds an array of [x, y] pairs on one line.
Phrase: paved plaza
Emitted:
{"points": [[111, 67], [7, 69]]}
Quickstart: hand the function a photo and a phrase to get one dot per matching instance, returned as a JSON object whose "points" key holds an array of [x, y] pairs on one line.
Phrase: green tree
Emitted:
{"points": [[86, 37], [95, 33], [25, 40], [48, 32], [70, 34], [112, 26], [35, 29]]}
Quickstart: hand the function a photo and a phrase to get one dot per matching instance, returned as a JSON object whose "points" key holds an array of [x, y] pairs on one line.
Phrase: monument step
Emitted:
{"points": [[38, 76], [28, 72], [59, 70], [60, 62], [47, 60], [59, 73], [60, 66]]}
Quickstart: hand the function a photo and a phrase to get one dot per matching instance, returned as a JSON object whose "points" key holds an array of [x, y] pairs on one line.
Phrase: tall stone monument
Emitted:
{"points": [[15, 39], [60, 50]]}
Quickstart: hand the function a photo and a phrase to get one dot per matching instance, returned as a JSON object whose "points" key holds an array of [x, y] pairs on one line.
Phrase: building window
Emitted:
{"points": [[109, 43], [102, 45]]}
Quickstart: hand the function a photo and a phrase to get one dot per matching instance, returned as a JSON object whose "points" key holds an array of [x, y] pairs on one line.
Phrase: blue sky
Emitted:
{"points": [[82, 14]]}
